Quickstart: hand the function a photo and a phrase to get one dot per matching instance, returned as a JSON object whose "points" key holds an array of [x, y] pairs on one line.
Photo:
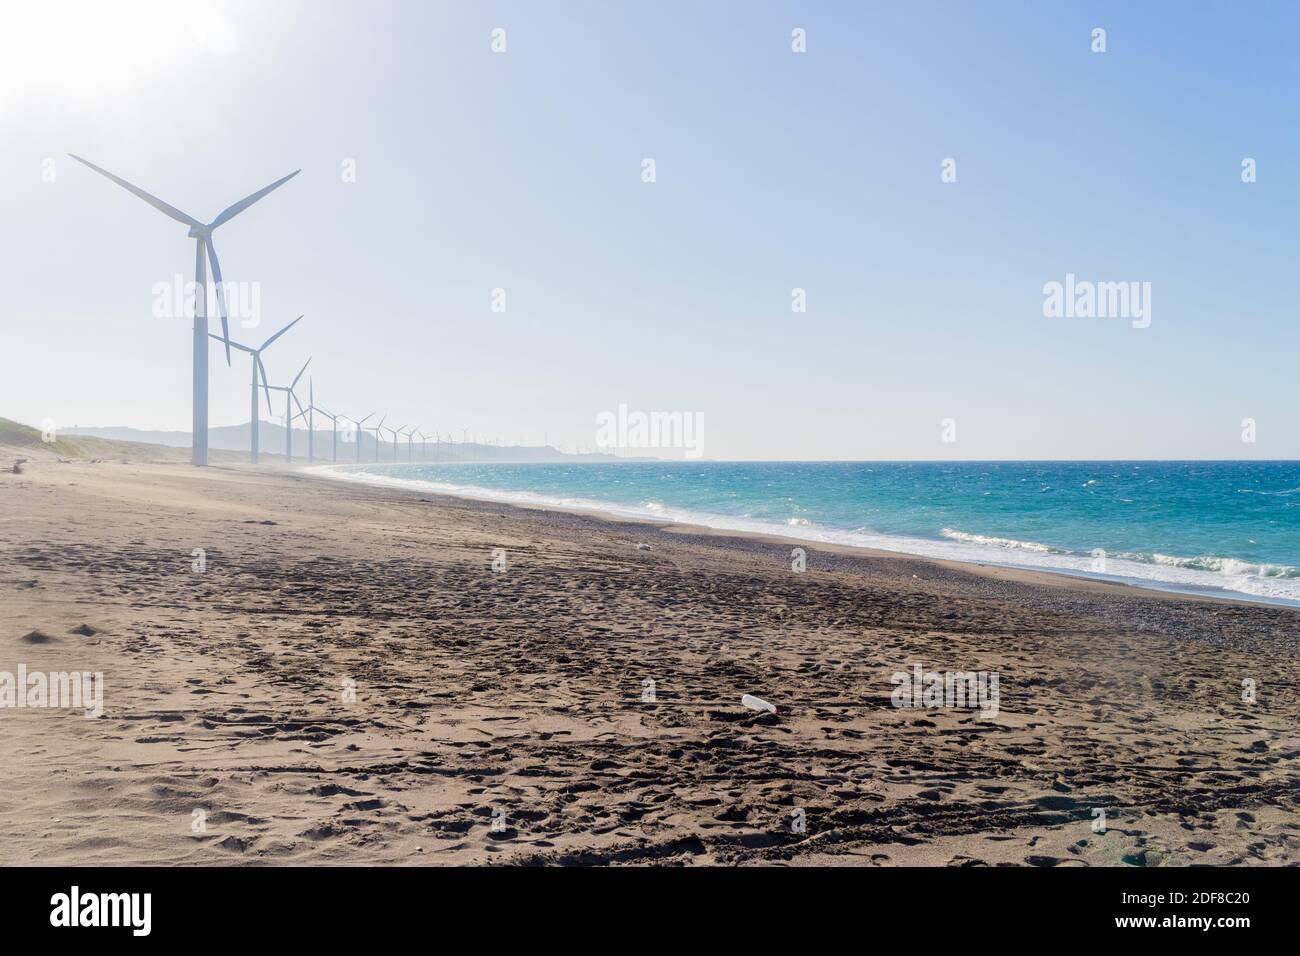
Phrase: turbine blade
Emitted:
{"points": [[231, 211], [232, 343], [300, 371], [221, 295], [154, 201], [266, 386], [280, 333]]}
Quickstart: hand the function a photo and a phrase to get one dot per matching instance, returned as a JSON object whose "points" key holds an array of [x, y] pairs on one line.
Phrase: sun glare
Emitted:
{"points": [[91, 47]]}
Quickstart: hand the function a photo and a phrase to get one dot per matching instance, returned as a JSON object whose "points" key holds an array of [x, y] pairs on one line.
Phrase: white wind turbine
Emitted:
{"points": [[378, 434], [309, 414], [395, 432], [356, 424], [290, 400], [311, 420], [334, 423], [405, 432], [205, 252], [257, 366]]}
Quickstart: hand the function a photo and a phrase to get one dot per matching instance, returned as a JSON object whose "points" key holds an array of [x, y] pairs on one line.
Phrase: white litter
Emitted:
{"points": [[755, 703]]}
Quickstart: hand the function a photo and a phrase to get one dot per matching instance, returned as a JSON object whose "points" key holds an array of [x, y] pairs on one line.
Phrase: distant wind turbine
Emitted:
{"points": [[202, 234], [334, 423], [409, 432], [311, 420], [395, 432], [257, 365], [290, 400], [357, 423], [378, 429]]}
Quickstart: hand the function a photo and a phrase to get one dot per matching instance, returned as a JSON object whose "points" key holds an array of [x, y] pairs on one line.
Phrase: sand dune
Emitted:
{"points": [[499, 717]]}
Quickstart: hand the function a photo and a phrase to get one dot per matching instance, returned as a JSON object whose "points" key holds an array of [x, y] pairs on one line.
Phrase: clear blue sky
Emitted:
{"points": [[775, 170]]}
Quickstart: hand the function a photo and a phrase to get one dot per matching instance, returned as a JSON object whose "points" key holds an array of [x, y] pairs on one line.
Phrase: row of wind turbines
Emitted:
{"points": [[205, 254]]}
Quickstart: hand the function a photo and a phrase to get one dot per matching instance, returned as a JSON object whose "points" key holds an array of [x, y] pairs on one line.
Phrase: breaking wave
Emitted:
{"points": [[1211, 575]]}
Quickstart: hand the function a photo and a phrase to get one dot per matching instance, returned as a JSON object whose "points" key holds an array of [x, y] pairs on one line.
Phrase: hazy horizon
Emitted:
{"points": [[273, 448], [435, 171]]}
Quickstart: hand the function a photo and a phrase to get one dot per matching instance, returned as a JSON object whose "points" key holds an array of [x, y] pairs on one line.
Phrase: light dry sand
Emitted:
{"points": [[520, 692]]}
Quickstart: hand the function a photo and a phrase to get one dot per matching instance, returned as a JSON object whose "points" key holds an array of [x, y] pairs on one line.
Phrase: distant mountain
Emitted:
{"points": [[23, 441], [271, 442]]}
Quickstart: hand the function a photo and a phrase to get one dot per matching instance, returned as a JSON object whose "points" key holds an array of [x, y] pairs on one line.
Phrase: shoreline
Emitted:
{"points": [[622, 513]]}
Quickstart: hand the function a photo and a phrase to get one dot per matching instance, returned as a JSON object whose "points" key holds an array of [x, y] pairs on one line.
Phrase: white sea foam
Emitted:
{"points": [[1216, 564], [1200, 575], [996, 542]]}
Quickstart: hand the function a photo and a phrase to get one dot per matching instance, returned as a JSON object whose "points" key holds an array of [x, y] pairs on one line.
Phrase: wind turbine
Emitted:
{"points": [[290, 400], [334, 421], [378, 429], [410, 434], [309, 413], [311, 420], [257, 364], [395, 432], [360, 431], [424, 444], [202, 235]]}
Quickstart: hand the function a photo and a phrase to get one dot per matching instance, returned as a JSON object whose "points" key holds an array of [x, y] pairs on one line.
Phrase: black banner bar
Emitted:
{"points": [[334, 905]]}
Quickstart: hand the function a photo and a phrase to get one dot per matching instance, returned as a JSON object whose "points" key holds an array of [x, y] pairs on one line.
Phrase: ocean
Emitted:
{"points": [[1230, 528]]}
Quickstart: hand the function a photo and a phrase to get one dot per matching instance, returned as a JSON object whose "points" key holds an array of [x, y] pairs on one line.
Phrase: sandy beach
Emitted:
{"points": [[348, 680]]}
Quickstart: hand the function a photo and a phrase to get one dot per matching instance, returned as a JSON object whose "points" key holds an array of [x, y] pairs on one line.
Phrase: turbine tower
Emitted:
{"points": [[204, 253], [257, 365], [357, 423], [334, 422], [395, 432], [410, 434], [290, 400], [311, 420], [378, 429]]}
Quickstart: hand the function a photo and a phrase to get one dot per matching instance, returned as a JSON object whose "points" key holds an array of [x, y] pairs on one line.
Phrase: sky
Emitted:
{"points": [[436, 170]]}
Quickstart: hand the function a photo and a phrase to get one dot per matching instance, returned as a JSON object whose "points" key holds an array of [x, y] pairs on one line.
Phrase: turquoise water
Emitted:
{"points": [[1201, 526]]}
